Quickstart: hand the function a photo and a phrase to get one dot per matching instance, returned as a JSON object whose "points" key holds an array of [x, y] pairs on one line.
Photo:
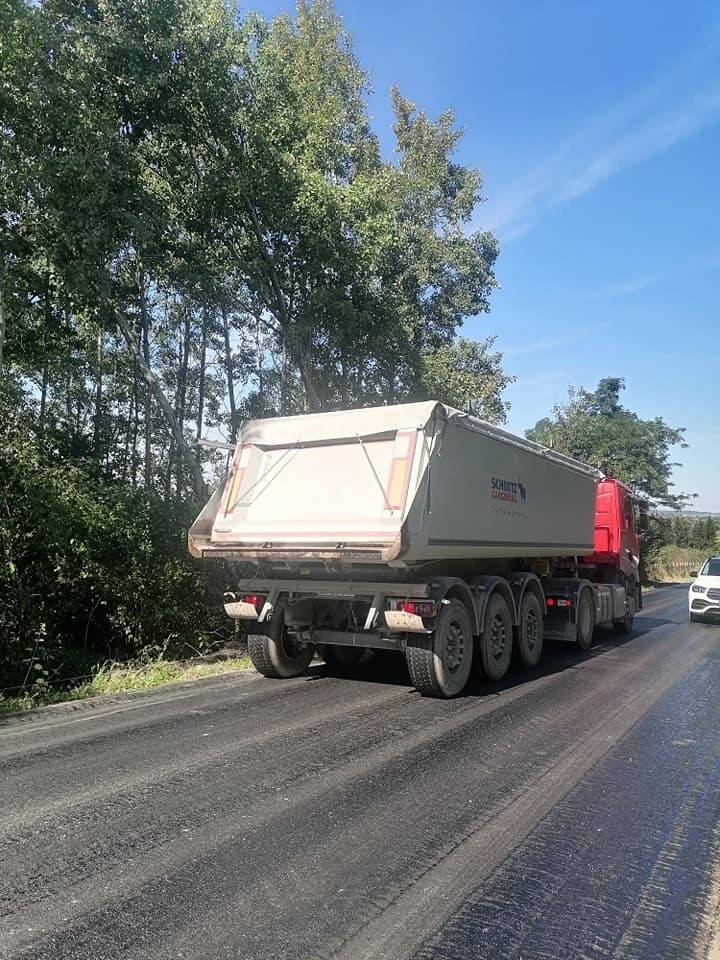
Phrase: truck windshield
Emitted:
{"points": [[711, 568]]}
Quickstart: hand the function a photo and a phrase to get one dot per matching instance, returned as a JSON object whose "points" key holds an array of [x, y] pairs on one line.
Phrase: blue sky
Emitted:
{"points": [[597, 129]]}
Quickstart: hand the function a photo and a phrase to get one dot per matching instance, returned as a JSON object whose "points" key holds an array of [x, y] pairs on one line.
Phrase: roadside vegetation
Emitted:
{"points": [[672, 564], [198, 226], [679, 545], [119, 678]]}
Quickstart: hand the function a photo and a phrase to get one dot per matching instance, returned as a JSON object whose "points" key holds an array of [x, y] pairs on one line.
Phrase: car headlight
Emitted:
{"points": [[696, 588]]}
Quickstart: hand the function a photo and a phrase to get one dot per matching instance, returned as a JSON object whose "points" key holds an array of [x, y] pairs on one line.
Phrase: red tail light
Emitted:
{"points": [[418, 609], [550, 601], [254, 600]]}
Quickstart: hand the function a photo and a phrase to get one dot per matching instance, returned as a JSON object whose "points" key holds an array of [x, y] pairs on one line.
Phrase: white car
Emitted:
{"points": [[704, 594]]}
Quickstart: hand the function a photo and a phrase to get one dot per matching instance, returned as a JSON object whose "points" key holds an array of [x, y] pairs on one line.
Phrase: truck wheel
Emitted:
{"points": [[585, 620], [496, 639], [440, 664], [625, 625], [338, 656], [278, 655], [530, 631]]}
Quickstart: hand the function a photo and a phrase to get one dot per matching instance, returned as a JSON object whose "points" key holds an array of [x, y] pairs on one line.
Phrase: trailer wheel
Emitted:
{"points": [[496, 639], [585, 620], [278, 655], [530, 631], [440, 663]]}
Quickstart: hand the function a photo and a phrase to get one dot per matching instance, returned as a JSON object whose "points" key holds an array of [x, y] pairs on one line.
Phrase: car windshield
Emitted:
{"points": [[711, 568]]}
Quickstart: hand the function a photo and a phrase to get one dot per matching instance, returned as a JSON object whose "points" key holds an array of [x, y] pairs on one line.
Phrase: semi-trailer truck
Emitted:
{"points": [[419, 529]]}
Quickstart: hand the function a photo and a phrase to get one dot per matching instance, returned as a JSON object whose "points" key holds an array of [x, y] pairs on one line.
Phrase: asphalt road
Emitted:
{"points": [[571, 812]]}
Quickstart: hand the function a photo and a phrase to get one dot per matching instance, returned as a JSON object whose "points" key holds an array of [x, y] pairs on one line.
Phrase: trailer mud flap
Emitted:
{"points": [[560, 627]]}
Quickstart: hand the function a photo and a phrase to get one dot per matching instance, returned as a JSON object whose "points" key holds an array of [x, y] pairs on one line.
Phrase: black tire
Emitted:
{"points": [[277, 655], [530, 631], [585, 620], [696, 618], [341, 657], [624, 627], [440, 663], [496, 640]]}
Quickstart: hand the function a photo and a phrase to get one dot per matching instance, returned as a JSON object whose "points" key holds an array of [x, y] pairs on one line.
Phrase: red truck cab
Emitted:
{"points": [[617, 529]]}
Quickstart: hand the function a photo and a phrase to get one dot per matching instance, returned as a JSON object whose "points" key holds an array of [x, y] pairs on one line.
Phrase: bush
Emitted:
{"points": [[672, 563], [91, 569]]}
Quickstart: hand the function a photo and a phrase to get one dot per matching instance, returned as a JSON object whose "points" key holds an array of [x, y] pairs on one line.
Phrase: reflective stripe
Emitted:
{"points": [[399, 479], [234, 489], [396, 484], [236, 477]]}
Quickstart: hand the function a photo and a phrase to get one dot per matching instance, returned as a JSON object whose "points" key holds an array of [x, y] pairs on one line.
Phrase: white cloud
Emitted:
{"points": [[664, 272], [623, 288], [552, 343], [673, 108]]}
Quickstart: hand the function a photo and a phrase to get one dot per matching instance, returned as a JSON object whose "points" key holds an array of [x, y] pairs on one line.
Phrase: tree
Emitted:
{"points": [[594, 427], [356, 267], [197, 226], [466, 375]]}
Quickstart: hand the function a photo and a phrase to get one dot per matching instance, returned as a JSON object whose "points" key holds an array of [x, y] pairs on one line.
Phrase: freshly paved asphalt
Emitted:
{"points": [[572, 811]]}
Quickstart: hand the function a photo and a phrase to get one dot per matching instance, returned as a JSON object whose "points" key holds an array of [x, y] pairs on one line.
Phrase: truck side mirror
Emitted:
{"points": [[694, 575]]}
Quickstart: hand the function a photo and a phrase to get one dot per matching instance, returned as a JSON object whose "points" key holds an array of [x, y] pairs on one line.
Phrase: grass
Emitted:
{"points": [[118, 678], [674, 564]]}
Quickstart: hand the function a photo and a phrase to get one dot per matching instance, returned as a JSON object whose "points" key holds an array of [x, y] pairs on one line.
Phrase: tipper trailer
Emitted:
{"points": [[419, 529]]}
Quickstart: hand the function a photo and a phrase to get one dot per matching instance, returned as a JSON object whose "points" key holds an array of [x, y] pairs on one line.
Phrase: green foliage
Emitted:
{"points": [[699, 533], [356, 269], [196, 226], [467, 375], [654, 540], [671, 542], [89, 569], [672, 564], [118, 678], [597, 429], [227, 172]]}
